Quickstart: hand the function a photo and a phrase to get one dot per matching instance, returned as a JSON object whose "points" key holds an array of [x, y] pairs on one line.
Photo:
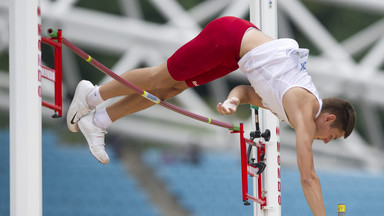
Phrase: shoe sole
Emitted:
{"points": [[88, 141]]}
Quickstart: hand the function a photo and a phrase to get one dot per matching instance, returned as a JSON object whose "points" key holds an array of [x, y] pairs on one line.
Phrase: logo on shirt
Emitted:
{"points": [[303, 66], [303, 56]]}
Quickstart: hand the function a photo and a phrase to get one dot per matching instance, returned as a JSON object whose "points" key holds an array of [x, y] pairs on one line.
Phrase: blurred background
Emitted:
{"points": [[163, 163]]}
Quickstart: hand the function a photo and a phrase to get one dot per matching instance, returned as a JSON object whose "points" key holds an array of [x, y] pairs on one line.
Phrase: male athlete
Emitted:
{"points": [[279, 82]]}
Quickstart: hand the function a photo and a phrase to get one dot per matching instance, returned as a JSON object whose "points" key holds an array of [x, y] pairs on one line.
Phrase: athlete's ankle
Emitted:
{"points": [[101, 119], [94, 98]]}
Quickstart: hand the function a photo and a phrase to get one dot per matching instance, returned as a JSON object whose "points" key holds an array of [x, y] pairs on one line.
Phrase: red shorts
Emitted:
{"points": [[212, 54]]}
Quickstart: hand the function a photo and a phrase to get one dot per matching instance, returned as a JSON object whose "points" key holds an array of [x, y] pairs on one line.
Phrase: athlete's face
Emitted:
{"points": [[324, 131]]}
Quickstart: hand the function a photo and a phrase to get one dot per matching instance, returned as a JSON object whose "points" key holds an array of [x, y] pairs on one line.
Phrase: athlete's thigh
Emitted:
{"points": [[162, 79]]}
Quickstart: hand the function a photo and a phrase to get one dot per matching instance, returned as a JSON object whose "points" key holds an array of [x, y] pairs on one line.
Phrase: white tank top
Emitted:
{"points": [[275, 67]]}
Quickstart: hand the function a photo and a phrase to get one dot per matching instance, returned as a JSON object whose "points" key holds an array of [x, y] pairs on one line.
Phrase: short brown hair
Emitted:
{"points": [[344, 112]]}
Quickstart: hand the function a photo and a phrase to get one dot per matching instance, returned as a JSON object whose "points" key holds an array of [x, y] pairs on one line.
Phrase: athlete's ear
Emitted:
{"points": [[330, 117]]}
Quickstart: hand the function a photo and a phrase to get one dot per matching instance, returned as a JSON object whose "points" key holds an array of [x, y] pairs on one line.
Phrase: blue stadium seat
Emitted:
{"points": [[213, 187], [74, 183]]}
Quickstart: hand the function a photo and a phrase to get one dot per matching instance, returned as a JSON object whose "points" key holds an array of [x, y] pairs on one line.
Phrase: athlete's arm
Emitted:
{"points": [[310, 183], [242, 94], [301, 108]]}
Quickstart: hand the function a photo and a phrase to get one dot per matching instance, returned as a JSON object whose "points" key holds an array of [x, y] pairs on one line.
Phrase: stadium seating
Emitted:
{"points": [[74, 183], [210, 187], [213, 187]]}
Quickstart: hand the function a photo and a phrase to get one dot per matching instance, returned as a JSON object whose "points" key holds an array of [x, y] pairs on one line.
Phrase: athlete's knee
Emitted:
{"points": [[174, 91], [165, 94]]}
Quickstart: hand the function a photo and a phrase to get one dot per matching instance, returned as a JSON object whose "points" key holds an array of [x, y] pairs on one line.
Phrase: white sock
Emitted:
{"points": [[94, 98], [101, 119]]}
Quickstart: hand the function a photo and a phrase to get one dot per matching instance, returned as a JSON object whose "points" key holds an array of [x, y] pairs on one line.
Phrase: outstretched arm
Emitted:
{"points": [[309, 180], [301, 108], [242, 94]]}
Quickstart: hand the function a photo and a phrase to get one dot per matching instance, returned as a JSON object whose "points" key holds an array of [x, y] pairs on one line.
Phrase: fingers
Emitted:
{"points": [[224, 110]]}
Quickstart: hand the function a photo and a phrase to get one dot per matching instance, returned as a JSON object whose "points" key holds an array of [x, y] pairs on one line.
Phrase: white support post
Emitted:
{"points": [[25, 109], [263, 13]]}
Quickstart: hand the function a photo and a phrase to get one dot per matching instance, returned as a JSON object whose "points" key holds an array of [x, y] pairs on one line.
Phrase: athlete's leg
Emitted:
{"points": [[134, 103], [94, 125], [150, 78]]}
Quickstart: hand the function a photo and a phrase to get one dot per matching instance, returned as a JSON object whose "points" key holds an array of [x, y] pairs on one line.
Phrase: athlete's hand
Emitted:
{"points": [[229, 106]]}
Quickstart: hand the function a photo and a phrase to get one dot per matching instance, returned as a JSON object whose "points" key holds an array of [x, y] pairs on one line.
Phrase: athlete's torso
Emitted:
{"points": [[275, 67]]}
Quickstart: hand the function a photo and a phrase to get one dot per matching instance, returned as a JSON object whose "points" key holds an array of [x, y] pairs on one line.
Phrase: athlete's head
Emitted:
{"points": [[337, 119]]}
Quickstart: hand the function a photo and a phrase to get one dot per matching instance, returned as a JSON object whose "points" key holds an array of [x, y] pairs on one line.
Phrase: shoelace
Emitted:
{"points": [[101, 137]]}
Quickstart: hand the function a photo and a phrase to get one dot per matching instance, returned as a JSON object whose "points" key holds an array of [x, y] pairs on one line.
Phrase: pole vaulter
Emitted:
{"points": [[253, 169], [271, 66]]}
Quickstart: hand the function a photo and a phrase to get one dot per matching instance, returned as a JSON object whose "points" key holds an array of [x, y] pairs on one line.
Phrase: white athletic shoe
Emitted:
{"points": [[79, 106], [95, 137]]}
